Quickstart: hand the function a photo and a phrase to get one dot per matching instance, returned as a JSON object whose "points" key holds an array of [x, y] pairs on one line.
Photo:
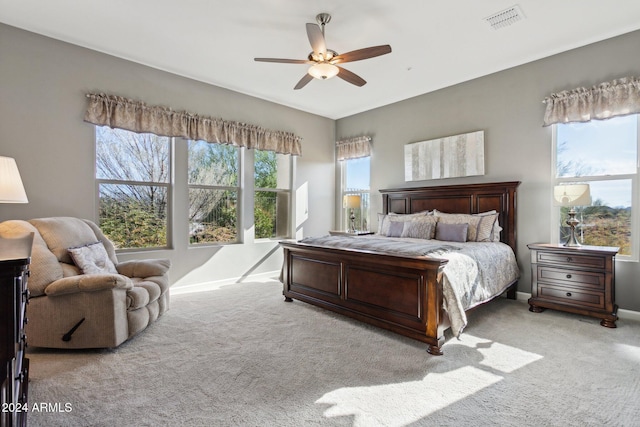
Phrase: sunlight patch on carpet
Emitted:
{"points": [[404, 403], [499, 356], [629, 352], [401, 404]]}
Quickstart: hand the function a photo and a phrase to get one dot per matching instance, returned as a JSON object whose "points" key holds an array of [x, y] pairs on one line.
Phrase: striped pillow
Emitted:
{"points": [[495, 231]]}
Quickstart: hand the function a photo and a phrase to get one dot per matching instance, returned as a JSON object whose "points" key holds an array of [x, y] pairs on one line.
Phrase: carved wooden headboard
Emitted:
{"points": [[467, 199]]}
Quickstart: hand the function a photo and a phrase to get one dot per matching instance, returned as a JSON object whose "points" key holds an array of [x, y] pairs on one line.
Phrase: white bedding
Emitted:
{"points": [[475, 273]]}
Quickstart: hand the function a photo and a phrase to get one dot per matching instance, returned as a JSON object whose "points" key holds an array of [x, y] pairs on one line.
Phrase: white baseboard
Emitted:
{"points": [[629, 314], [622, 313], [217, 284]]}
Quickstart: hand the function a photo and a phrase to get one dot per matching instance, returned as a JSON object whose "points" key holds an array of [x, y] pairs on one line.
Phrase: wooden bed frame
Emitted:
{"points": [[399, 293]]}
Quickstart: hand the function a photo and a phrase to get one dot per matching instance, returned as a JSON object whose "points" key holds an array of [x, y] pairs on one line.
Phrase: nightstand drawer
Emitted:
{"points": [[584, 279], [571, 260], [571, 296]]}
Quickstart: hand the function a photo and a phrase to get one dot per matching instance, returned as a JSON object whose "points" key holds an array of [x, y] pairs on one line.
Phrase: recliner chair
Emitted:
{"points": [[81, 297]]}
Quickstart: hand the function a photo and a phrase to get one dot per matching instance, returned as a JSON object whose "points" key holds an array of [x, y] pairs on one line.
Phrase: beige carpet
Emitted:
{"points": [[241, 356]]}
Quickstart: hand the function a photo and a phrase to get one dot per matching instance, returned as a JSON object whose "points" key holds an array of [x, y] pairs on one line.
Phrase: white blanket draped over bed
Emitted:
{"points": [[475, 273]]}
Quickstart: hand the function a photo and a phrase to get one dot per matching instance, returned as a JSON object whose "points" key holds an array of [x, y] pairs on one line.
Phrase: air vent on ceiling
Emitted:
{"points": [[505, 18]]}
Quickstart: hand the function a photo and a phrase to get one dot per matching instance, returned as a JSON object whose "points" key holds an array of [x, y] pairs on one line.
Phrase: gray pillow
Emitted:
{"points": [[92, 259], [451, 232], [395, 229]]}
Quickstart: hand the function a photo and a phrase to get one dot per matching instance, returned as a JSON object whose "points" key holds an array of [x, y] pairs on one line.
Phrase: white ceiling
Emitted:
{"points": [[435, 43]]}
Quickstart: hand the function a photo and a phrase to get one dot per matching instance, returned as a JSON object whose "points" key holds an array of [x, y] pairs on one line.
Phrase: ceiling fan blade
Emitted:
{"points": [[366, 53], [284, 61], [350, 77], [316, 38], [303, 81]]}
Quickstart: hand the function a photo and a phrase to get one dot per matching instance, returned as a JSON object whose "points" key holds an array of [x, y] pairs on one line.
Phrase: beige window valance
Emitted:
{"points": [[610, 99], [118, 112], [353, 148]]}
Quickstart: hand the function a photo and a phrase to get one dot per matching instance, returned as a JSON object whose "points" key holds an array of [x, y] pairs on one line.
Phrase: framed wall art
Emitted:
{"points": [[449, 157]]}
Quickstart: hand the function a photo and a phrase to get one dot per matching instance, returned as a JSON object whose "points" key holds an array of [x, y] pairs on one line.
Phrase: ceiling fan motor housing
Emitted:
{"points": [[323, 18]]}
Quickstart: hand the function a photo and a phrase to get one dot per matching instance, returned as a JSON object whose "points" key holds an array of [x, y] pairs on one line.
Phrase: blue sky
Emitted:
{"points": [[358, 173], [603, 148]]}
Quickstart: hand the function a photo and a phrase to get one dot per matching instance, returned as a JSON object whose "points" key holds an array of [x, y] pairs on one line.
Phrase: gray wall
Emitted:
{"points": [[42, 87], [42, 101], [508, 107]]}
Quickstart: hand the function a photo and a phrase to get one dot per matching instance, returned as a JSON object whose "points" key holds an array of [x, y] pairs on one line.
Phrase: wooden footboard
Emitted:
{"points": [[402, 294]]}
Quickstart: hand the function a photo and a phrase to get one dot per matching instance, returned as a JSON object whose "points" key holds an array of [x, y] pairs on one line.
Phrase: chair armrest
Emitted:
{"points": [[87, 283], [144, 268]]}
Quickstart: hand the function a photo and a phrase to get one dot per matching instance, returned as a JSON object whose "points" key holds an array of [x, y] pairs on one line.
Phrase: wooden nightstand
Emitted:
{"points": [[350, 233], [578, 280]]}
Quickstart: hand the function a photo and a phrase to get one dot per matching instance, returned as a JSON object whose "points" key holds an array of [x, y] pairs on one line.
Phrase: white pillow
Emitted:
{"points": [[92, 259], [383, 220], [481, 225]]}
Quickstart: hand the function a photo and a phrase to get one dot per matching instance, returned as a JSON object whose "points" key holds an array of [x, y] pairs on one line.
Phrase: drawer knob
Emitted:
{"points": [[568, 294], [568, 276]]}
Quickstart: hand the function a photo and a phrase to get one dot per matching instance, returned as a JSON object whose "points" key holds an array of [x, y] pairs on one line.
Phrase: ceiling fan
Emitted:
{"points": [[324, 61]]}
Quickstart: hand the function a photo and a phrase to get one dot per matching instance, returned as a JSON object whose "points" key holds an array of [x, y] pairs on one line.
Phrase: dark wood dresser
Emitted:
{"points": [[14, 366], [578, 280]]}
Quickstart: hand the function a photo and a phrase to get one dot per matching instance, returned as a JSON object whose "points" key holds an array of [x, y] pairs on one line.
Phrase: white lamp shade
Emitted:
{"points": [[351, 201], [11, 188], [572, 195], [323, 70]]}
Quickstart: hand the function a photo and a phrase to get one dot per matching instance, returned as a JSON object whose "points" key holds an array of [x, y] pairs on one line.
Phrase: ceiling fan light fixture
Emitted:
{"points": [[323, 70]]}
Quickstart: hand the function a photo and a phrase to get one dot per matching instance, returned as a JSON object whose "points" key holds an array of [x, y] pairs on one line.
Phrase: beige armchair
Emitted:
{"points": [[81, 297]]}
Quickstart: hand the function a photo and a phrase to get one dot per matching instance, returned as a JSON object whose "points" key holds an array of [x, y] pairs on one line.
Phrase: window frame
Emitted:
{"points": [[635, 189], [237, 188], [169, 186], [345, 222], [278, 190], [177, 191]]}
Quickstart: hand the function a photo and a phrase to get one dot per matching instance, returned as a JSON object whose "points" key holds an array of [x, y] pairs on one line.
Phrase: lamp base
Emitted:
{"points": [[572, 222], [353, 221], [572, 242]]}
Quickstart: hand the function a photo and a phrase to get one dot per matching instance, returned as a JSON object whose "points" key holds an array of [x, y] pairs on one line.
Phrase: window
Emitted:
{"points": [[603, 154], [134, 182], [272, 175], [133, 177], [213, 192], [356, 175]]}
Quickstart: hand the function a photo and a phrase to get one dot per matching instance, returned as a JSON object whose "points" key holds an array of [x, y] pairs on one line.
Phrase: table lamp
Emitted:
{"points": [[572, 195], [11, 188], [351, 202]]}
